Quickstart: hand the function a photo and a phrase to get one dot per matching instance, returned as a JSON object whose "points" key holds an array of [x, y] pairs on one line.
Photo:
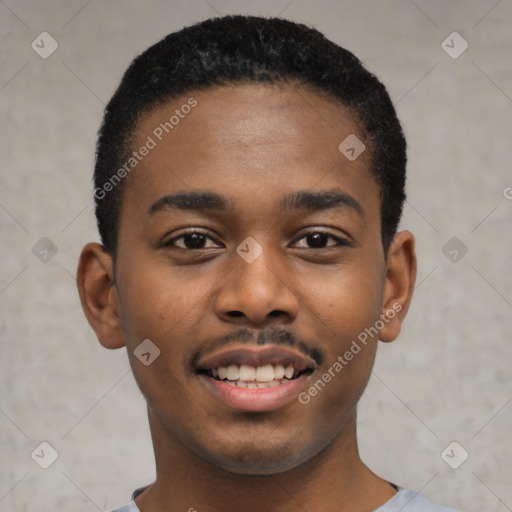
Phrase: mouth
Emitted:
{"points": [[255, 378], [252, 377]]}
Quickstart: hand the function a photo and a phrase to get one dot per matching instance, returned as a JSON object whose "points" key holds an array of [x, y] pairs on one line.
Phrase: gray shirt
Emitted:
{"points": [[402, 501]]}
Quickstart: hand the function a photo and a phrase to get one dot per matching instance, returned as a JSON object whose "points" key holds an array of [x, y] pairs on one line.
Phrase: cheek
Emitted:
{"points": [[153, 309], [156, 302], [340, 312], [343, 302], [165, 308]]}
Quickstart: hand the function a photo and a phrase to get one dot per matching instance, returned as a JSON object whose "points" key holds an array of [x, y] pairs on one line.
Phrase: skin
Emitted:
{"points": [[252, 144]]}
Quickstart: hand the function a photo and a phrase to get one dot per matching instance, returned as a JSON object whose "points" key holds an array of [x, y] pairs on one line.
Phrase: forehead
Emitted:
{"points": [[252, 115], [246, 140]]}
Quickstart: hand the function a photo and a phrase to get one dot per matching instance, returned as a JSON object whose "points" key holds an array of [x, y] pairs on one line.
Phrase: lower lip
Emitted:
{"points": [[250, 399]]}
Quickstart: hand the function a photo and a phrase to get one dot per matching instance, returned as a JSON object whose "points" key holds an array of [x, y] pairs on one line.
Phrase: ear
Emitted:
{"points": [[399, 285], [98, 295]]}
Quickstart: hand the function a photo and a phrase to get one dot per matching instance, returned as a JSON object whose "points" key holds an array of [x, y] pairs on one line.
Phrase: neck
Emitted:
{"points": [[334, 480]]}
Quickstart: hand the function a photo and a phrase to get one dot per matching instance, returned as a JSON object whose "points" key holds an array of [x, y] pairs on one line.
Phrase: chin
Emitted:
{"points": [[252, 460]]}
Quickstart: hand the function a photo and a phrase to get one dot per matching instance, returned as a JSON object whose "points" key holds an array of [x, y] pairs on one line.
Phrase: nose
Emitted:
{"points": [[256, 293]]}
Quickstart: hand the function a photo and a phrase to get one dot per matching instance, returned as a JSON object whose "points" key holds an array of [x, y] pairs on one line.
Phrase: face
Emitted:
{"points": [[250, 254]]}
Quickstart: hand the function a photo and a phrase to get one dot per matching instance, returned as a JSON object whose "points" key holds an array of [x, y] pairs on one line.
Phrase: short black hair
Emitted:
{"points": [[235, 49]]}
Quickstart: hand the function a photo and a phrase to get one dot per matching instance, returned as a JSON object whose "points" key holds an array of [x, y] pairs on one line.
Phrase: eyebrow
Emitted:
{"points": [[301, 200], [193, 200], [320, 200]]}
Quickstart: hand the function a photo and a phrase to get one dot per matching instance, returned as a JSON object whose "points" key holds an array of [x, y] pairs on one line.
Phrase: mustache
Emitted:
{"points": [[269, 335]]}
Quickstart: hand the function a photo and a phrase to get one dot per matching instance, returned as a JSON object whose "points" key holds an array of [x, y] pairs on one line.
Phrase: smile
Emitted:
{"points": [[255, 378], [245, 376]]}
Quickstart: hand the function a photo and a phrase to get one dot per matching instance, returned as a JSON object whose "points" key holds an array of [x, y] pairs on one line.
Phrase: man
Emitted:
{"points": [[249, 183]]}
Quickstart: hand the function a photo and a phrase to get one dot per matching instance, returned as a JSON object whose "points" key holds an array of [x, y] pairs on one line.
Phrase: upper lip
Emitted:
{"points": [[256, 356]]}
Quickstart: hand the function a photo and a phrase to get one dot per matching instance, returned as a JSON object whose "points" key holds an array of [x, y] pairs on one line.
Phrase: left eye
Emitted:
{"points": [[193, 240], [319, 240]]}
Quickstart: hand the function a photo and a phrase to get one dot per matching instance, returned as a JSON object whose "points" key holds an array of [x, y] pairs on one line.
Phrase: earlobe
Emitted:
{"points": [[399, 285], [98, 295]]}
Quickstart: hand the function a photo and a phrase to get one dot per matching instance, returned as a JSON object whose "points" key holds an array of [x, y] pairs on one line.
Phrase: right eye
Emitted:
{"points": [[192, 240]]}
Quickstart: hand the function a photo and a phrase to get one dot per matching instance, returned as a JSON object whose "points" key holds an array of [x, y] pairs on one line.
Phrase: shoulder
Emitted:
{"points": [[132, 507], [411, 501]]}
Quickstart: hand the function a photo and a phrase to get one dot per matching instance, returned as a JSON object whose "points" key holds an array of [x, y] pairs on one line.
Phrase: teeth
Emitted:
{"points": [[247, 372], [265, 373], [288, 371], [250, 377], [254, 385], [232, 372], [278, 371]]}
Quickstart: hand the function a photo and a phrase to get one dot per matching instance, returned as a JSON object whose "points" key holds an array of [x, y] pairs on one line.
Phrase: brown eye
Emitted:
{"points": [[320, 240], [192, 240]]}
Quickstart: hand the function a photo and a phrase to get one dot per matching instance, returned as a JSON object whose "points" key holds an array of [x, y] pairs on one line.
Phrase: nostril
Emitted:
{"points": [[277, 313], [235, 314]]}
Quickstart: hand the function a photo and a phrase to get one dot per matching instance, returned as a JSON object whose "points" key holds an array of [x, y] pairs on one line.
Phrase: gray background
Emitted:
{"points": [[447, 378]]}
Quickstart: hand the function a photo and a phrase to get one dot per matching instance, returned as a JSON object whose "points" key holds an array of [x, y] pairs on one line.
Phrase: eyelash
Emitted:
{"points": [[339, 241]]}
